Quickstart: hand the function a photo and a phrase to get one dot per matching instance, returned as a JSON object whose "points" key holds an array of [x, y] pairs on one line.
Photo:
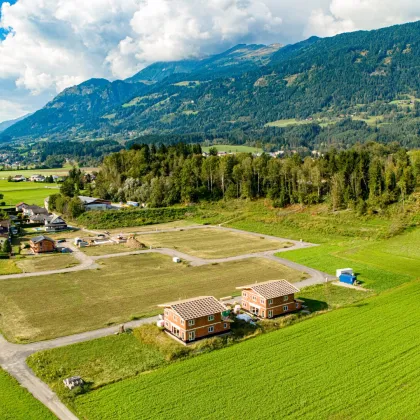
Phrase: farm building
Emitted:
{"points": [[192, 319], [91, 203], [55, 223], [270, 299], [41, 244], [18, 178]]}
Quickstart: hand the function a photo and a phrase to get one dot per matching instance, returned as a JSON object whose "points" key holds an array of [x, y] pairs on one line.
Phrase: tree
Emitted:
{"points": [[7, 248]]}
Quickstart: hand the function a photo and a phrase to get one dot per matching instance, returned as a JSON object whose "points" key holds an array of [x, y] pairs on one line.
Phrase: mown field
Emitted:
{"points": [[18, 404], [29, 172], [32, 264], [211, 243], [355, 363], [38, 308], [29, 192]]}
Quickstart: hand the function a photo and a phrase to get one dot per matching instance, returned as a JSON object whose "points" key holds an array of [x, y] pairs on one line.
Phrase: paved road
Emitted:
{"points": [[13, 356]]}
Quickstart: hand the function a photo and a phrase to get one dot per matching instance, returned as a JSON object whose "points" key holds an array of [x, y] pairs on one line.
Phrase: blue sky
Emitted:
{"points": [[56, 44]]}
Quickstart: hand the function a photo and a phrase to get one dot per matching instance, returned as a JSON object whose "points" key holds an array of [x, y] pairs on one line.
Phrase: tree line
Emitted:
{"points": [[370, 175]]}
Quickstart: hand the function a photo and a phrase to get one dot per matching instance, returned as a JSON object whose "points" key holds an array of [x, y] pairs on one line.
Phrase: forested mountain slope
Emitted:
{"points": [[374, 73]]}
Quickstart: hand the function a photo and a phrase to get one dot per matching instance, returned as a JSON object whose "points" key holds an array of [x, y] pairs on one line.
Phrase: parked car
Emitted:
{"points": [[60, 241]]}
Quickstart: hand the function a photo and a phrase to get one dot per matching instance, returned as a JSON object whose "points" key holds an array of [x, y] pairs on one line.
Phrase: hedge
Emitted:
{"points": [[108, 219]]}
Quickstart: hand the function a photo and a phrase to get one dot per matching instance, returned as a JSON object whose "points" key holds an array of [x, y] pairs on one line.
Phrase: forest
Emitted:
{"points": [[369, 176]]}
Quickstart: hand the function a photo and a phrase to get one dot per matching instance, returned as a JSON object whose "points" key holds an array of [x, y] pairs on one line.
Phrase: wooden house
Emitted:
{"points": [[270, 299], [41, 244], [54, 223], [193, 319]]}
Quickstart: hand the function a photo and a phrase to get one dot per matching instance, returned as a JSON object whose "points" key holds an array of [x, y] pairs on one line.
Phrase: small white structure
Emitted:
{"points": [[160, 323], [73, 381], [237, 309], [341, 271], [176, 260], [77, 240]]}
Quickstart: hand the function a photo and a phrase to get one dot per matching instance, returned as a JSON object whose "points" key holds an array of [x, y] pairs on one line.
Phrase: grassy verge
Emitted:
{"points": [[8, 266], [17, 404]]}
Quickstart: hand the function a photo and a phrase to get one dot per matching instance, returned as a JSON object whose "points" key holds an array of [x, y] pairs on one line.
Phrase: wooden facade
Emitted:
{"points": [[270, 299], [194, 319], [41, 244]]}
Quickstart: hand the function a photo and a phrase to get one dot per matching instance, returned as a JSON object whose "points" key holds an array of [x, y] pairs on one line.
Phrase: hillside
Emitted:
{"points": [[6, 124], [360, 74]]}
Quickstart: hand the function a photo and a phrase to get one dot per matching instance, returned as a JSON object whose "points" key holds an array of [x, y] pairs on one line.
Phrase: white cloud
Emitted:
{"points": [[57, 43], [10, 110]]}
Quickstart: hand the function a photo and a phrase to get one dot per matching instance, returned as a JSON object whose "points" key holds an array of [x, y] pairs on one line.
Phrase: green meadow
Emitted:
{"points": [[18, 404], [233, 148], [29, 192]]}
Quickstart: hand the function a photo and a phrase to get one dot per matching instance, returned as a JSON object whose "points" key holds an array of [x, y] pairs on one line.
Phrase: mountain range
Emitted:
{"points": [[244, 88]]}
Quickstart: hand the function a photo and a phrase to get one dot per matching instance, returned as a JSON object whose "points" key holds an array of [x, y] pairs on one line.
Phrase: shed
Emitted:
{"points": [[347, 278], [341, 271]]}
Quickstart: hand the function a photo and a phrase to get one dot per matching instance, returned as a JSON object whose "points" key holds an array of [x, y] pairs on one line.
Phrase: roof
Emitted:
{"points": [[37, 209], [39, 217], [196, 307], [21, 204], [90, 200], [272, 289], [55, 218], [41, 238]]}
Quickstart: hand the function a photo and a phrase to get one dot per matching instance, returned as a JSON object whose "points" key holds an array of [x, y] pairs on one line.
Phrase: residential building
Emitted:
{"points": [[92, 203], [270, 299], [18, 178], [20, 206], [55, 223], [37, 178], [41, 244], [34, 210], [193, 319]]}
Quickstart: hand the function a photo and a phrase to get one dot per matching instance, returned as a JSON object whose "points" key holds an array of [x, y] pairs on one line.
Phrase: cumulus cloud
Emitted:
{"points": [[10, 110], [49, 45]]}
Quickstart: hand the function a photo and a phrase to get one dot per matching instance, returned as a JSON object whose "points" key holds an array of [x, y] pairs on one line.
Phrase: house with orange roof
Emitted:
{"points": [[192, 319], [270, 299]]}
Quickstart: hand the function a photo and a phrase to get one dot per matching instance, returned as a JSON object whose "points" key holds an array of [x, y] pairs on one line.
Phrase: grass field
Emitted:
{"points": [[29, 172], [233, 148], [18, 404], [353, 363], [9, 267], [110, 359], [29, 192], [32, 264], [44, 307], [107, 249], [155, 227], [211, 243]]}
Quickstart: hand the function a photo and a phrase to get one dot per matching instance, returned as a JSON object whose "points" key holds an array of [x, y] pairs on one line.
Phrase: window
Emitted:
{"points": [[175, 318], [270, 314], [254, 298], [225, 325], [191, 322], [244, 294], [211, 329], [286, 298], [211, 318], [191, 336], [166, 312], [270, 301], [182, 322], [262, 301], [285, 308], [244, 304], [166, 324]]}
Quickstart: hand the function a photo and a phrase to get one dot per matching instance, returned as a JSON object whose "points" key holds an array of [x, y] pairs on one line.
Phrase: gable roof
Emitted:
{"points": [[41, 238], [196, 307], [55, 219], [272, 289]]}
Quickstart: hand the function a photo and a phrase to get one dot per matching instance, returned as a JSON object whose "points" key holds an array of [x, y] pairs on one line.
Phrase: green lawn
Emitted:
{"points": [[354, 363], [211, 243], [28, 172], [38, 308], [29, 192], [32, 264], [18, 404], [107, 249], [9, 266], [233, 148]]}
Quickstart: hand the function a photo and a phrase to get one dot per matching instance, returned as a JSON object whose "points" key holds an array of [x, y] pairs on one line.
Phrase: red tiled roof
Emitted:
{"points": [[272, 289]]}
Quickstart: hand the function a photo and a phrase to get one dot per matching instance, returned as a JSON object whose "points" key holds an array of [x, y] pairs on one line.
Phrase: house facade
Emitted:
{"points": [[33, 210], [5, 232], [193, 319], [270, 299], [41, 244], [54, 223]]}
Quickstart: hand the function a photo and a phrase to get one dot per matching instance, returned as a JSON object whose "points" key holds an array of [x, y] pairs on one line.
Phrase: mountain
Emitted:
{"points": [[6, 124], [368, 73]]}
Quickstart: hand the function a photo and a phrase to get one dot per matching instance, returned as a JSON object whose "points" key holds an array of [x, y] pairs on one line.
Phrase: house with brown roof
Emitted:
{"points": [[193, 319], [41, 244], [270, 299]]}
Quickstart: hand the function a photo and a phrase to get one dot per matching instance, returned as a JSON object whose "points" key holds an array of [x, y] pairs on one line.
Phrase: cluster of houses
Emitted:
{"points": [[205, 316], [33, 178], [37, 214]]}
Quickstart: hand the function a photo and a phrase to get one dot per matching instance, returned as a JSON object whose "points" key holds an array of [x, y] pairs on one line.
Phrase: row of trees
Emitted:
{"points": [[368, 175]]}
